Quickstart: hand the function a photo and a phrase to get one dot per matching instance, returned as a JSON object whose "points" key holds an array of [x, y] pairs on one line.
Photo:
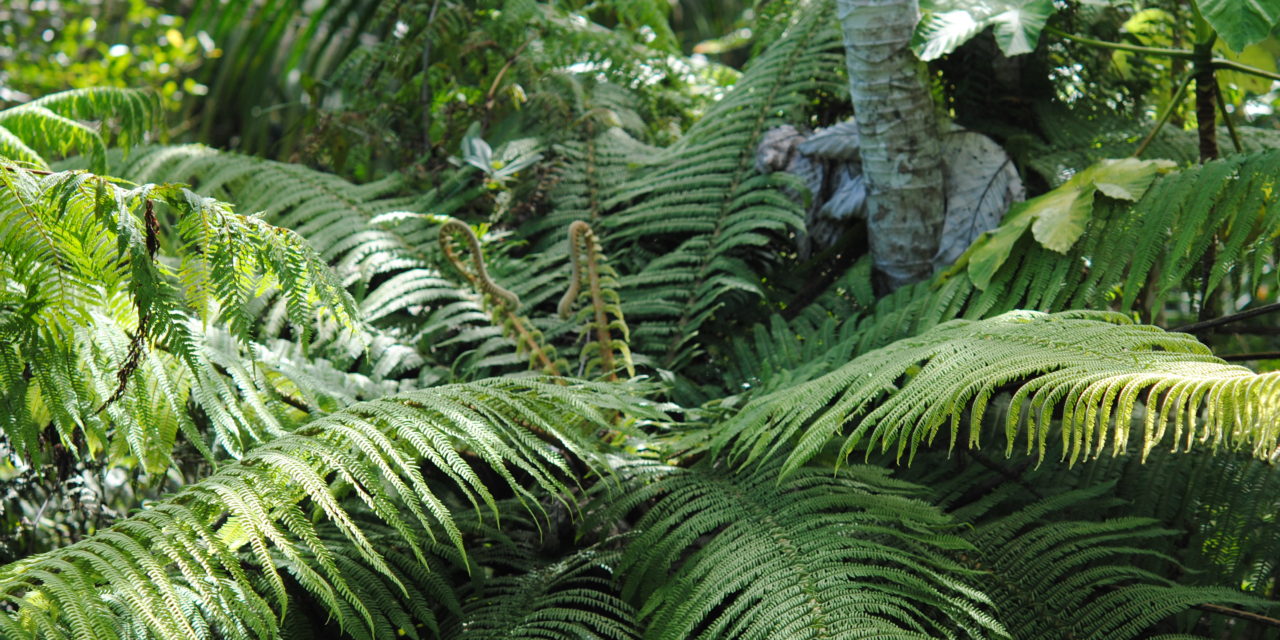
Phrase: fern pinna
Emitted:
{"points": [[359, 474]]}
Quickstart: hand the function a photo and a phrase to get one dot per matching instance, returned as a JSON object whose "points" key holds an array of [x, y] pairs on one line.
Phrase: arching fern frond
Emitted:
{"points": [[56, 124], [87, 289], [1052, 578], [690, 226], [573, 597], [385, 254], [1225, 212], [410, 459], [850, 555], [1088, 370]]}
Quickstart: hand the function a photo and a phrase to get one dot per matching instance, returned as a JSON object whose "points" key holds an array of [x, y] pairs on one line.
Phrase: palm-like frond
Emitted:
{"points": [[87, 290], [816, 555], [56, 124], [400, 457], [1049, 577], [1084, 369]]}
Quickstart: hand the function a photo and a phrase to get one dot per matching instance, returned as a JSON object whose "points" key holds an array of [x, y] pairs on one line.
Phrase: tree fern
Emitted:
{"points": [[88, 290], [56, 124], [385, 251], [691, 220], [1086, 369], [396, 456], [850, 555]]}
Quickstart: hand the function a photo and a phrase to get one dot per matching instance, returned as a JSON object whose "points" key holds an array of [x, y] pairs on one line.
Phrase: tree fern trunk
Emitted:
{"points": [[901, 157]]}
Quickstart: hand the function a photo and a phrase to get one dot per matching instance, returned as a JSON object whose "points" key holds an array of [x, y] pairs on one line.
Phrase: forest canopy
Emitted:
{"points": [[662, 319]]}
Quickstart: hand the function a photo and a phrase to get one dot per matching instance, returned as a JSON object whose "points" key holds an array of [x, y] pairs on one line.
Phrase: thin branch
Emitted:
{"points": [[39, 172], [1236, 613], [1226, 117], [1164, 117], [1242, 357], [1198, 327], [1184, 54], [1232, 65], [1120, 46]]}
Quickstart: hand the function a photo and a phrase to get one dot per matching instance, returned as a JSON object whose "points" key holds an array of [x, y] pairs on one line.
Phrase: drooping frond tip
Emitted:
{"points": [[1094, 376], [210, 555]]}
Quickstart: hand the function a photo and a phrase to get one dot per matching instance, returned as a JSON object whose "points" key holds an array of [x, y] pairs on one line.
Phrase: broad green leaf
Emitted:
{"points": [[986, 259], [1241, 22], [1125, 179], [947, 24], [1059, 217], [938, 34], [1017, 29]]}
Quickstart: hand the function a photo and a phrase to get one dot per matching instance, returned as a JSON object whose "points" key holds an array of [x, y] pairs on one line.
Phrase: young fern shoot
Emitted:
{"points": [[502, 303], [601, 288]]}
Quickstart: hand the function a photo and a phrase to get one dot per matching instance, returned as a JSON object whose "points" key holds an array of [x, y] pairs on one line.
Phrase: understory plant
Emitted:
{"points": [[247, 398]]}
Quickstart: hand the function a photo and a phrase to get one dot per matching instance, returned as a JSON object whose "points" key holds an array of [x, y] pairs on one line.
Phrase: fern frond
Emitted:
{"points": [[502, 302], [691, 226], [1050, 576], [816, 555], [88, 291], [572, 597], [601, 281], [1084, 369], [56, 124], [400, 457], [383, 253]]}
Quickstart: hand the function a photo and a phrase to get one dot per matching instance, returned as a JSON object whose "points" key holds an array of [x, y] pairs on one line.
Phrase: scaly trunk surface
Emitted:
{"points": [[901, 155]]}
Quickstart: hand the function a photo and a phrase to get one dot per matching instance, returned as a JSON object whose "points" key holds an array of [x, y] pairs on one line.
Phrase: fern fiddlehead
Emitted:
{"points": [[502, 302], [584, 246]]}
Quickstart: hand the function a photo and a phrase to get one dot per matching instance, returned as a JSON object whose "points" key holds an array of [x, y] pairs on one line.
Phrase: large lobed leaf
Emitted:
{"points": [[947, 24], [1241, 22]]}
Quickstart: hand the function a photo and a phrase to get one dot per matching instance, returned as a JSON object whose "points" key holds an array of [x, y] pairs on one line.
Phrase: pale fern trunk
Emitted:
{"points": [[901, 155]]}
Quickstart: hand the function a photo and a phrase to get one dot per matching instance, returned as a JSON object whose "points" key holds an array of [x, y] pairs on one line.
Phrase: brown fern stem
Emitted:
{"points": [[504, 302], [581, 233], [137, 344]]}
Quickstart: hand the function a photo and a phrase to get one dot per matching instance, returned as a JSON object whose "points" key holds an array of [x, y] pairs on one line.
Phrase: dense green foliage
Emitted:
{"points": [[479, 319]]}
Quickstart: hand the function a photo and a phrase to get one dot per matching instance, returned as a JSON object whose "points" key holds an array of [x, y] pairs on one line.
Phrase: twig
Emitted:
{"points": [[1236, 613], [1120, 46], [1226, 117], [1232, 65], [39, 172], [1260, 355], [1164, 117], [1197, 327]]}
